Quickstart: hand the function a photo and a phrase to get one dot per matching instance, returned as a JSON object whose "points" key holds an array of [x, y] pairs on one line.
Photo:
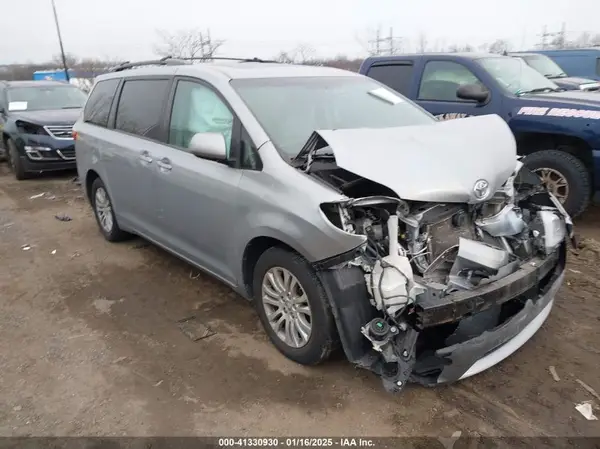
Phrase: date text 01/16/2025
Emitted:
{"points": [[295, 442]]}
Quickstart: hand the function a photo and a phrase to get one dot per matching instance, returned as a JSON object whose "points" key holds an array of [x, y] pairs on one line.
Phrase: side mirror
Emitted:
{"points": [[473, 92], [209, 145]]}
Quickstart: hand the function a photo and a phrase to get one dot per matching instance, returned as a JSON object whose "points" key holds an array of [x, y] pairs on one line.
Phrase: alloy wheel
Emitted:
{"points": [[103, 209], [286, 307], [555, 182]]}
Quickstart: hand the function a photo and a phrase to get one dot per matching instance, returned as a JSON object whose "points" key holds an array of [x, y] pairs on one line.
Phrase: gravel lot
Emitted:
{"points": [[90, 345]]}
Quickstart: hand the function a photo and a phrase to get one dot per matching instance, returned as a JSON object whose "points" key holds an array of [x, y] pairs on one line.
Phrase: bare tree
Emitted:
{"points": [[189, 43], [499, 46], [455, 48], [304, 54], [343, 62], [70, 59], [284, 57], [422, 43]]}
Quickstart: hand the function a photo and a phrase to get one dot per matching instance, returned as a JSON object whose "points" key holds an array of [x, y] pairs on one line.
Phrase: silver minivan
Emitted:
{"points": [[348, 214]]}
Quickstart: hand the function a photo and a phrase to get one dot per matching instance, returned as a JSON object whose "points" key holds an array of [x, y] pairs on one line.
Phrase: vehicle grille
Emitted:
{"points": [[64, 132], [68, 154]]}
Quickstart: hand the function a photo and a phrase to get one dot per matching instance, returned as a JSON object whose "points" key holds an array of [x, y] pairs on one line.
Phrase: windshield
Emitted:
{"points": [[40, 98], [545, 66], [515, 76], [291, 109]]}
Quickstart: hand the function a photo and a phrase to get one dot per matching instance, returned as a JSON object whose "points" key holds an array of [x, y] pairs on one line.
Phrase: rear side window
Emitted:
{"points": [[598, 66], [98, 104], [140, 107], [396, 76]]}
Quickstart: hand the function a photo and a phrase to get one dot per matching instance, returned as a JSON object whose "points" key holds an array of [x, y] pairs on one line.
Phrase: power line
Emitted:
{"points": [[385, 45]]}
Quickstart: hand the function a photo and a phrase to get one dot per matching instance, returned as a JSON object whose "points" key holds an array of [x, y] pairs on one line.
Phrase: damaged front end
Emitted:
{"points": [[440, 290]]}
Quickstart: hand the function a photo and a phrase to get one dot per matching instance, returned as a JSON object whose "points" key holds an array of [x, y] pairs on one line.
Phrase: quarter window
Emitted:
{"points": [[441, 79], [97, 108], [141, 106], [198, 109]]}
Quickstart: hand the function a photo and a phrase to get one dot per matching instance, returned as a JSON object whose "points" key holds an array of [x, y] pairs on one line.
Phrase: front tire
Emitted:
{"points": [[565, 176], [105, 213], [293, 307], [15, 162]]}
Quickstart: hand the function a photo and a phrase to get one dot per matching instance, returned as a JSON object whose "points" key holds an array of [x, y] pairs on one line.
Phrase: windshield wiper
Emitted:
{"points": [[538, 90], [71, 107]]}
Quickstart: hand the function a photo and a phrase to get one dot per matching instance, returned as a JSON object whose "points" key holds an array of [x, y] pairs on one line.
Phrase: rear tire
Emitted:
{"points": [[554, 164], [307, 305], [15, 162], [105, 214]]}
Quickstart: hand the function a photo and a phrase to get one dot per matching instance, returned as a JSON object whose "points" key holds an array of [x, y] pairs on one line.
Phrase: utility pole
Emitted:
{"points": [[392, 42], [545, 35], [62, 50], [377, 41]]}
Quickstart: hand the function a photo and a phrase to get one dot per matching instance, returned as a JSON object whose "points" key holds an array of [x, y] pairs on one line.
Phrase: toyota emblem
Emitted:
{"points": [[481, 189]]}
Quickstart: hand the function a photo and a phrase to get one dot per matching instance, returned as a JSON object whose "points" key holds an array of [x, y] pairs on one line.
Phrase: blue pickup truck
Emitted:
{"points": [[557, 131]]}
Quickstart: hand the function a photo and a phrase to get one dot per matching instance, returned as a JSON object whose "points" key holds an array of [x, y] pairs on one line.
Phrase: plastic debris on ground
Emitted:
{"points": [[589, 389], [25, 247], [194, 329], [449, 443], [53, 252], [554, 373], [63, 217], [39, 195], [585, 408]]}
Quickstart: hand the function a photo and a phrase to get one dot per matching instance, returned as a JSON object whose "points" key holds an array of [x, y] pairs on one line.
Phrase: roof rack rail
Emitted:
{"points": [[225, 58], [167, 60]]}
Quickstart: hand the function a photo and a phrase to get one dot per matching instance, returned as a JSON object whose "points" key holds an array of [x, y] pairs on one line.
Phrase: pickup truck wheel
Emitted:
{"points": [[565, 176], [105, 213], [15, 162], [293, 307]]}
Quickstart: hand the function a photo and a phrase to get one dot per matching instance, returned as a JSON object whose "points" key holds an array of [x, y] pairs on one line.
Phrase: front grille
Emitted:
{"points": [[67, 154], [63, 132]]}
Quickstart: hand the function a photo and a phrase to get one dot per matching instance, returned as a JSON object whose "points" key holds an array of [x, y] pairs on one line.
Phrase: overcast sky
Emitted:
{"points": [[126, 29]]}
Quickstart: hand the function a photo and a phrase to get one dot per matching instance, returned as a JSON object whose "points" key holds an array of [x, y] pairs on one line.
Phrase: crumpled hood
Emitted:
{"points": [[438, 162], [50, 116]]}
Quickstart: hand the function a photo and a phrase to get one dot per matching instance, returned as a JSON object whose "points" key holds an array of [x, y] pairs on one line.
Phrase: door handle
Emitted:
{"points": [[145, 157], [164, 164]]}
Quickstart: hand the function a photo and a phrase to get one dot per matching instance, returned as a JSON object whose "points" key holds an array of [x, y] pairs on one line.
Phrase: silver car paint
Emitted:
{"points": [[203, 211], [438, 163]]}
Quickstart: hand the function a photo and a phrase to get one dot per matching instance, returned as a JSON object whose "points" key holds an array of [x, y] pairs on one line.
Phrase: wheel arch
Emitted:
{"points": [[252, 252], [90, 177], [530, 142]]}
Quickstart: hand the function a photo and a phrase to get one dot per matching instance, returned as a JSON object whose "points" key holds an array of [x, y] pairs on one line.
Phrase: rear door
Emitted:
{"points": [[134, 149], [197, 198], [437, 90]]}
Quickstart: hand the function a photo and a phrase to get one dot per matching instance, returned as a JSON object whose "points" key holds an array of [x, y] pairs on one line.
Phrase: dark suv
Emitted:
{"points": [[36, 119]]}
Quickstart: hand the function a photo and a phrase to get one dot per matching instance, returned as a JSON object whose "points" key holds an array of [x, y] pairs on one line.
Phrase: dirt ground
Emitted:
{"points": [[89, 345]]}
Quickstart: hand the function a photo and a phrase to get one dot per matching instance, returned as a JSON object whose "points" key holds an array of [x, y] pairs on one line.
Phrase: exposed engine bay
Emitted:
{"points": [[420, 255]]}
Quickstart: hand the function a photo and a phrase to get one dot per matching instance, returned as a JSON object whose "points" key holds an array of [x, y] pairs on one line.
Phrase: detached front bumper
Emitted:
{"points": [[537, 285], [526, 298]]}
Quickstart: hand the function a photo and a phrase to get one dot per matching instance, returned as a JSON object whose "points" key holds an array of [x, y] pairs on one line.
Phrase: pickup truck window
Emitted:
{"points": [[397, 76], [441, 79], [545, 66], [291, 109], [515, 76]]}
